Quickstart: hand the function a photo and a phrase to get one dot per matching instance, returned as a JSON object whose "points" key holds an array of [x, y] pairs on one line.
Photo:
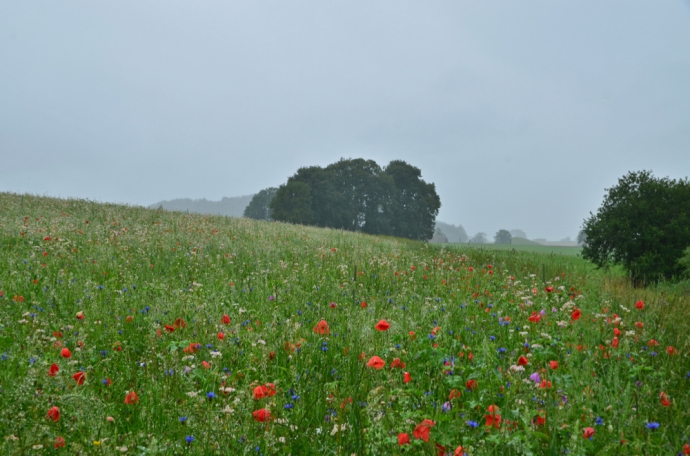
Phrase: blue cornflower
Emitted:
{"points": [[104, 353], [432, 337], [32, 360], [492, 337], [599, 421], [472, 424], [653, 425], [288, 406], [189, 438], [502, 350], [211, 395], [183, 420]]}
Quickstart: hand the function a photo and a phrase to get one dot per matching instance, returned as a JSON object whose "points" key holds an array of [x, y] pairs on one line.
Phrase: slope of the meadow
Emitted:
{"points": [[138, 331]]}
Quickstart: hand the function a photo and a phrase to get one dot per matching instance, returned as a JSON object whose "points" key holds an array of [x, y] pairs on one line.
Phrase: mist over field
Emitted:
{"points": [[520, 113]]}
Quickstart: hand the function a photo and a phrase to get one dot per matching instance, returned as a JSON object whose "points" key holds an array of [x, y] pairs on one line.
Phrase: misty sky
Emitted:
{"points": [[521, 112]]}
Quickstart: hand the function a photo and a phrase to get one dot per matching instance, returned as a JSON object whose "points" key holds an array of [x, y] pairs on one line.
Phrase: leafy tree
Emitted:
{"points": [[518, 233], [413, 204], [643, 225], [259, 207], [685, 261], [292, 203], [479, 238], [503, 237], [581, 237]]}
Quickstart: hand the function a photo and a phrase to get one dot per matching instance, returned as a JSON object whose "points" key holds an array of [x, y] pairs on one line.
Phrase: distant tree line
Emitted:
{"points": [[354, 195]]}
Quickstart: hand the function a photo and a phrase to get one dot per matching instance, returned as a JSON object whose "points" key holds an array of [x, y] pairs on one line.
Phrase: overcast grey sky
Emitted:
{"points": [[521, 112]]}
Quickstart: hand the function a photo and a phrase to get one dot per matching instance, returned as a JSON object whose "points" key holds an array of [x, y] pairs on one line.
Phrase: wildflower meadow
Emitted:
{"points": [[126, 330]]}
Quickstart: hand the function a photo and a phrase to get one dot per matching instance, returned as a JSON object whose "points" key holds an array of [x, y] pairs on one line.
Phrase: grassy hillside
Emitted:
{"points": [[534, 248], [212, 335]]}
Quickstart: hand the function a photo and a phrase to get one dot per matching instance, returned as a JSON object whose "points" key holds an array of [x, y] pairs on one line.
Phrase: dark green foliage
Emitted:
{"points": [[685, 261], [259, 208], [643, 225], [503, 237], [581, 237], [292, 203], [357, 195]]}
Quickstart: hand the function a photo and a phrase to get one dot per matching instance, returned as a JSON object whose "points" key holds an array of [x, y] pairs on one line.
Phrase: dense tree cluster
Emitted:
{"points": [[643, 225], [503, 237], [359, 195], [259, 207]]}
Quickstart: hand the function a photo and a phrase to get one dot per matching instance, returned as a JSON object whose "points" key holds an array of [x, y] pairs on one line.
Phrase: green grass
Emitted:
{"points": [[534, 248], [134, 272]]}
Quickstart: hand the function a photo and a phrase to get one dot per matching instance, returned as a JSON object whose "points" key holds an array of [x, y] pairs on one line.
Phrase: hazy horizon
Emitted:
{"points": [[520, 113]]}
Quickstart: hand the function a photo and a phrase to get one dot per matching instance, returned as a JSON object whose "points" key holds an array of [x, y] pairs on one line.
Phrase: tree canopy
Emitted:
{"points": [[643, 225], [259, 207], [359, 195], [503, 237]]}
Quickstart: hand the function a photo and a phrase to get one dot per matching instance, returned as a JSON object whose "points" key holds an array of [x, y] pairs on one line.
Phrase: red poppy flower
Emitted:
{"points": [[576, 314], [686, 449], [471, 384], [413, 336], [65, 353], [225, 319], [79, 377], [407, 378], [553, 365], [671, 350], [459, 451], [192, 348], [523, 361], [545, 384], [588, 432], [59, 442], [639, 305], [205, 364], [54, 369], [262, 415], [221, 335], [493, 418], [538, 420], [376, 362], [57, 334], [614, 342], [53, 414], [397, 363], [363, 304], [548, 289], [80, 315], [454, 394], [131, 398], [665, 402], [653, 343], [535, 317], [639, 325], [403, 439], [322, 328], [382, 325], [179, 323], [169, 328], [421, 431], [267, 390], [616, 332]]}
